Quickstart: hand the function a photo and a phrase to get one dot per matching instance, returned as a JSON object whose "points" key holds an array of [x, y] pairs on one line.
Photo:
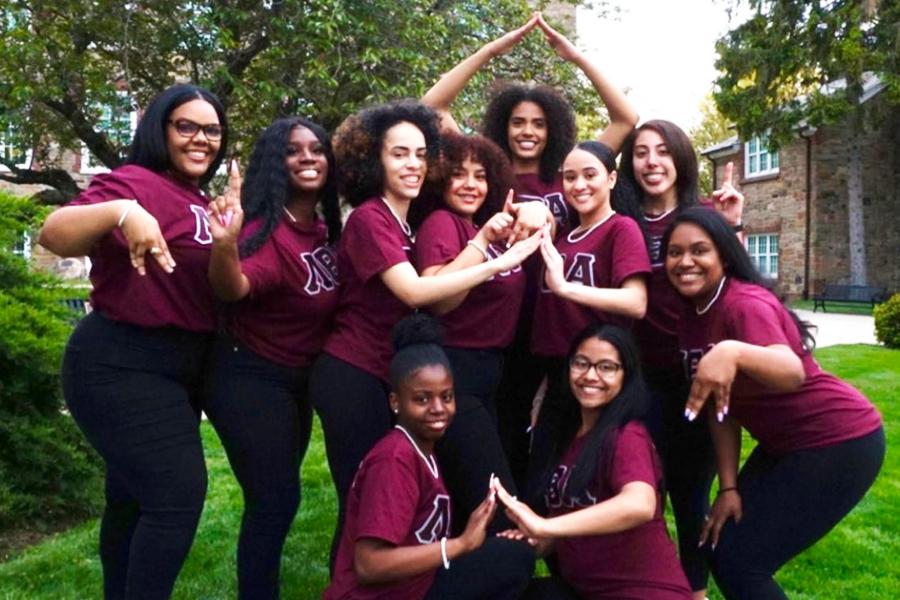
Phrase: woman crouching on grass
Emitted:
{"points": [[821, 443], [395, 539], [602, 485]]}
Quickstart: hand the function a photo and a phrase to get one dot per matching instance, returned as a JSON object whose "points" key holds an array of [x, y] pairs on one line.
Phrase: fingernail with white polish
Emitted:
{"points": [[720, 416]]}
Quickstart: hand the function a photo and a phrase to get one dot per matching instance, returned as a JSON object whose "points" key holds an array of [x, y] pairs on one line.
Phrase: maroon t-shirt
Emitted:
{"points": [[657, 333], [487, 317], [371, 243], [639, 563], [822, 412], [293, 294], [604, 256], [398, 498], [181, 299]]}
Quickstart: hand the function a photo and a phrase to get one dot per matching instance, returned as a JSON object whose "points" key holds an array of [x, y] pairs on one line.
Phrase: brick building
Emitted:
{"points": [[796, 200]]}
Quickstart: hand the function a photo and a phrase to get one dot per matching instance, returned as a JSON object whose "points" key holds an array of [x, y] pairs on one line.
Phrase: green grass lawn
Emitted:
{"points": [[835, 307], [856, 560]]}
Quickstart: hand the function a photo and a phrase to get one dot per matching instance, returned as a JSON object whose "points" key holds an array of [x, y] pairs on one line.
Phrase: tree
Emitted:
{"points": [[712, 129], [61, 62], [801, 63]]}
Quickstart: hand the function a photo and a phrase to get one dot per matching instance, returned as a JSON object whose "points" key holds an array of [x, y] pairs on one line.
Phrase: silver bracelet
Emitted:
{"points": [[125, 212], [483, 251], [444, 552]]}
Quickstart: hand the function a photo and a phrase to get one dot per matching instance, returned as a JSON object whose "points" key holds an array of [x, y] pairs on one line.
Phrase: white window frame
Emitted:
{"points": [[22, 165], [763, 260], [757, 149], [25, 250], [86, 167]]}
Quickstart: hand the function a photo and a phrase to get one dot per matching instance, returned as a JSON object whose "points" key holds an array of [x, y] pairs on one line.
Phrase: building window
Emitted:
{"points": [[758, 160], [23, 246], [118, 121], [13, 150], [763, 249]]}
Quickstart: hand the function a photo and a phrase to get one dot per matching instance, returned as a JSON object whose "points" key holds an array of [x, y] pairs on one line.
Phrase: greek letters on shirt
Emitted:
{"points": [[691, 358], [437, 525], [555, 496], [555, 203], [202, 234], [655, 250], [321, 264], [580, 271]]}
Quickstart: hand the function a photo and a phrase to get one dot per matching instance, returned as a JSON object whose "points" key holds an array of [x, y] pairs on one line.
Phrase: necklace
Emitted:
{"points": [[403, 224], [702, 311], [660, 217], [429, 460], [288, 213], [587, 231]]}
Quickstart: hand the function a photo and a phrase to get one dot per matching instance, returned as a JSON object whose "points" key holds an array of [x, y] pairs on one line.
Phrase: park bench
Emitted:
{"points": [[79, 306], [853, 294]]}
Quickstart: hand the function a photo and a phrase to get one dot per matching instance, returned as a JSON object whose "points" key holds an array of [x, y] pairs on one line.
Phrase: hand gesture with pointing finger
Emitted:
{"points": [[225, 213], [727, 200]]}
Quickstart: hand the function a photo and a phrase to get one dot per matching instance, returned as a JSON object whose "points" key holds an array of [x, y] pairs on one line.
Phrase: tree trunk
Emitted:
{"points": [[855, 216]]}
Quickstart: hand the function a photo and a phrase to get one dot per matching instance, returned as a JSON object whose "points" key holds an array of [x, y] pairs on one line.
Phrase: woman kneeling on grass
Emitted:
{"points": [[602, 485], [395, 539], [821, 443]]}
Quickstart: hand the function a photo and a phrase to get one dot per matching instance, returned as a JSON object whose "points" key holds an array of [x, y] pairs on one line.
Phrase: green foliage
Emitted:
{"points": [[47, 470], [778, 65], [887, 322], [319, 58], [712, 129]]}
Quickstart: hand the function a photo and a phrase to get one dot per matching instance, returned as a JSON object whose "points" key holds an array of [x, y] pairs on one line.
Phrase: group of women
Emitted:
{"points": [[535, 257]]}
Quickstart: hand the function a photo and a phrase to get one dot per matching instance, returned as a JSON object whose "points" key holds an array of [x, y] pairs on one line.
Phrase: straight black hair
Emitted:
{"points": [[150, 147]]}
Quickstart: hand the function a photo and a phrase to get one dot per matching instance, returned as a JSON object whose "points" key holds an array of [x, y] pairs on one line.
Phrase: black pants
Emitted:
{"points": [[552, 417], [498, 570], [134, 392], [470, 449], [790, 502], [262, 414], [353, 407], [550, 588], [689, 465]]}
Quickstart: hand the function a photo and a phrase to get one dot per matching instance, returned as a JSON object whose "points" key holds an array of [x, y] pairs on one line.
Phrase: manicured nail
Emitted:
{"points": [[725, 410], [689, 414], [229, 215], [720, 416]]}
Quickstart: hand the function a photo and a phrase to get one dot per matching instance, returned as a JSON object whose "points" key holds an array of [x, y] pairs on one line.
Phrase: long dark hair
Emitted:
{"points": [[630, 197], [267, 188], [629, 404], [150, 147], [456, 148], [560, 119], [358, 141], [735, 260]]}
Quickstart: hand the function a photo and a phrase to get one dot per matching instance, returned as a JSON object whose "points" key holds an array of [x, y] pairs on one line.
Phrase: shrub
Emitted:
{"points": [[47, 470], [887, 322]]}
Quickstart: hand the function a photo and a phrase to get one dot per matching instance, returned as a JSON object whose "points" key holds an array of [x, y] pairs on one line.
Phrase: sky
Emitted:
{"points": [[663, 51]]}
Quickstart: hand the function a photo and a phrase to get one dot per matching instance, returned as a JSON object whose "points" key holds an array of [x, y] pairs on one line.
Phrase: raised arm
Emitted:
{"points": [[225, 220], [622, 116], [444, 92]]}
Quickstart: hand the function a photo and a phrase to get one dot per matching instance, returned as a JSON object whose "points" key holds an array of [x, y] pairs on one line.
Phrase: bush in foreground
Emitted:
{"points": [[887, 322]]}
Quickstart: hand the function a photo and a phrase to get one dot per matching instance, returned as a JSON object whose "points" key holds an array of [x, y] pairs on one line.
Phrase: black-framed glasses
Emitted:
{"points": [[607, 369], [188, 129]]}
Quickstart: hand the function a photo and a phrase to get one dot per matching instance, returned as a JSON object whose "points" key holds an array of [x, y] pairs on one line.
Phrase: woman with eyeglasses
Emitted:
{"points": [[133, 369], [601, 484]]}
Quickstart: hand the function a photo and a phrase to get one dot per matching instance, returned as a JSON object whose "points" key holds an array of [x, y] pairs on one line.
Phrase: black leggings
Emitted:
{"points": [[789, 502], [134, 392], [262, 414], [470, 449], [498, 570], [689, 465], [353, 407]]}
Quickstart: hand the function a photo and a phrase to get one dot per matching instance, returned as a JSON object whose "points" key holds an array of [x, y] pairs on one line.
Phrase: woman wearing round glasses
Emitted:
{"points": [[601, 484], [133, 368]]}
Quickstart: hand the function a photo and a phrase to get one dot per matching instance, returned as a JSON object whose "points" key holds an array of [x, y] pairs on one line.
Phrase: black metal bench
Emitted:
{"points": [[79, 306], [852, 294]]}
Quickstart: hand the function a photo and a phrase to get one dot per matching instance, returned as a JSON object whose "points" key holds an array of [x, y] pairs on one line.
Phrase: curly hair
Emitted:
{"points": [[267, 188], [358, 141], [456, 148], [559, 116]]}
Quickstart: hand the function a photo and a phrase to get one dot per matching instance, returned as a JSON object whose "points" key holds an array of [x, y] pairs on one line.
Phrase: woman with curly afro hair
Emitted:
{"points": [[278, 275], [384, 154], [535, 127]]}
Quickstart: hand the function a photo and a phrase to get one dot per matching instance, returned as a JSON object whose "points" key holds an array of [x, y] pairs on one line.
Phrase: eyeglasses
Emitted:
{"points": [[606, 369], [188, 129]]}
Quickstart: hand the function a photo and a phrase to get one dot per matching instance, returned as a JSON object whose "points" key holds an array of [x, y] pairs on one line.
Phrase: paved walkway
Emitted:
{"points": [[836, 328]]}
